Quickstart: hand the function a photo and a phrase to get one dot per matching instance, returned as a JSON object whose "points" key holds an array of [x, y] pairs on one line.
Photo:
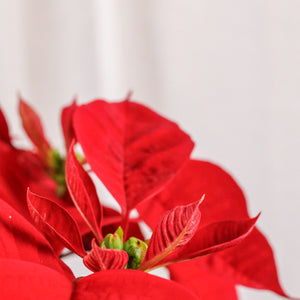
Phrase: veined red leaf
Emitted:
{"points": [[224, 198], [67, 123], [55, 222], [133, 150], [105, 259], [26, 280], [83, 194], [128, 284], [4, 132], [212, 238], [251, 263], [175, 229], [19, 239], [34, 129]]}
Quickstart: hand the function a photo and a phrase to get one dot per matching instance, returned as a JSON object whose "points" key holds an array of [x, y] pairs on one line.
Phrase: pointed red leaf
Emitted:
{"points": [[197, 277], [67, 123], [251, 263], [83, 194], [224, 198], [128, 284], [105, 259], [133, 150], [24, 280], [34, 129], [175, 229], [4, 132], [19, 239], [55, 222], [212, 238]]}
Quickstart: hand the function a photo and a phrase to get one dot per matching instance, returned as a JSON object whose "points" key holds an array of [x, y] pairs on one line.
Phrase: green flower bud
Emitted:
{"points": [[56, 162], [113, 240], [56, 169], [136, 250]]}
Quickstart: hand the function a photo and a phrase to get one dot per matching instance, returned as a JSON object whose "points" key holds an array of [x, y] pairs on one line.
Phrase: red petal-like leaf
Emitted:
{"points": [[4, 132], [67, 123], [251, 263], [128, 284], [18, 170], [133, 150], [224, 198], [55, 222], [175, 229], [105, 259], [19, 239], [24, 280], [213, 237], [83, 194], [197, 277], [34, 129]]}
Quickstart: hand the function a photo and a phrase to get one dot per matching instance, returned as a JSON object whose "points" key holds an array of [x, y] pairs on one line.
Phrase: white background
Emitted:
{"points": [[227, 71]]}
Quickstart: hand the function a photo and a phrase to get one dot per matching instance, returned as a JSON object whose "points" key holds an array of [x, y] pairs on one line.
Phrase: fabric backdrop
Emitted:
{"points": [[227, 71]]}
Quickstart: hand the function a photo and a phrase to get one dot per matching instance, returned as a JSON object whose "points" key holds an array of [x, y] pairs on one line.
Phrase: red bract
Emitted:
{"points": [[100, 259], [67, 123], [133, 150], [55, 222], [20, 240], [34, 281], [34, 129], [83, 194]]}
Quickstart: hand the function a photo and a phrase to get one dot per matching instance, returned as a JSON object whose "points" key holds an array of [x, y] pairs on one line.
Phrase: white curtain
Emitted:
{"points": [[227, 71]]}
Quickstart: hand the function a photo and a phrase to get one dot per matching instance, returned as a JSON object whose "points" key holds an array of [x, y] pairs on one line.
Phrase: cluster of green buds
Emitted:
{"points": [[57, 166], [56, 170], [135, 248]]}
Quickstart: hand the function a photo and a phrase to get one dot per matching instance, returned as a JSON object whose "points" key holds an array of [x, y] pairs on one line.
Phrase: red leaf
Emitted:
{"points": [[105, 259], [67, 123], [83, 194], [55, 222], [19, 239], [128, 284], [4, 132], [175, 229], [34, 129], [133, 150], [212, 238], [25, 280], [224, 199], [251, 263], [197, 277]]}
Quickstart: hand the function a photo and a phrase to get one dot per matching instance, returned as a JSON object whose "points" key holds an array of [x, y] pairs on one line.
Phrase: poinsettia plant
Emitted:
{"points": [[201, 230]]}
